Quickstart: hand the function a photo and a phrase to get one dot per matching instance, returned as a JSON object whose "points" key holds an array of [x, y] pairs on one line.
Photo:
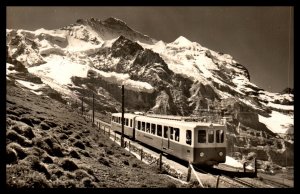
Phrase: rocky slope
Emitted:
{"points": [[180, 78], [49, 145]]}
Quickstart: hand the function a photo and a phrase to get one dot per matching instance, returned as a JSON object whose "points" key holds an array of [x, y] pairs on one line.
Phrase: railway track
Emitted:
{"points": [[229, 180], [275, 184]]}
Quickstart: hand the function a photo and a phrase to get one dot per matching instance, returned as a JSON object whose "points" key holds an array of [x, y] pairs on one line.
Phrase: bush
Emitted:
{"points": [[21, 153], [15, 137], [103, 161], [11, 156], [69, 165], [57, 150], [171, 185], [36, 165], [79, 144], [80, 174], [108, 151], [74, 154], [29, 133], [44, 126], [47, 160], [88, 183]]}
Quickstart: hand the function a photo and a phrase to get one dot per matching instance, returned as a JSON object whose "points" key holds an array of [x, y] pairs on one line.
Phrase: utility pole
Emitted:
{"points": [[122, 136], [93, 110]]}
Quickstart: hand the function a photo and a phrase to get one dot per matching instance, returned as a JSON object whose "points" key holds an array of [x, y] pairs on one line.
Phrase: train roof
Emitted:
{"points": [[127, 115], [181, 123]]}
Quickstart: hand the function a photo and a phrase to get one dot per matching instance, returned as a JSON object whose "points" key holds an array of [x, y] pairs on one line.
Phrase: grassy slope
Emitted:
{"points": [[49, 145]]}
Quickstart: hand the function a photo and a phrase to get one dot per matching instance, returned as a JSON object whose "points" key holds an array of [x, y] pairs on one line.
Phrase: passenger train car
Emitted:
{"points": [[200, 143]]}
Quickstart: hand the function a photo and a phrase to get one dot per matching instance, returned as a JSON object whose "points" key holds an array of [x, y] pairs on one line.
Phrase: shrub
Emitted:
{"points": [[15, 137], [29, 133], [21, 153], [79, 144], [80, 174], [36, 165], [74, 154], [108, 151], [44, 126], [88, 183], [86, 154], [57, 150], [171, 185], [69, 165], [47, 159], [103, 161], [27, 121], [11, 156], [17, 129]]}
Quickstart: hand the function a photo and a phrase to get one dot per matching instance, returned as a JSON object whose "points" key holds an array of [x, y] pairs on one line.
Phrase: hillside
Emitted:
{"points": [[49, 145]]}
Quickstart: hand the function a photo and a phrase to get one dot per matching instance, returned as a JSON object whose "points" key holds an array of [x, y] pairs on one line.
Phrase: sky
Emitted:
{"points": [[259, 38]]}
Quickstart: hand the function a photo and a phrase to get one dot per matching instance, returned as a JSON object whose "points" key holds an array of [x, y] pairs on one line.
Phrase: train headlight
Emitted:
{"points": [[220, 153], [201, 154]]}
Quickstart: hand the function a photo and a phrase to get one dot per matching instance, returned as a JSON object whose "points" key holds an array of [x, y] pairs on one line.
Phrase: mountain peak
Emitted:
{"points": [[182, 41]]}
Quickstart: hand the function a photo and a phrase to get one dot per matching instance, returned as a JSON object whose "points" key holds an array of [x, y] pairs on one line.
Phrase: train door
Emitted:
{"points": [[166, 138]]}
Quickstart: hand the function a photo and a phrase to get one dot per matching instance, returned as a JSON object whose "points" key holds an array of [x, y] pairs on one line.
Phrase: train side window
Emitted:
{"points": [[126, 122], [165, 132], [148, 127], [202, 136], [159, 130], [171, 133], [176, 130], [211, 136], [139, 125], [153, 128], [130, 122], [189, 137], [220, 136], [143, 126]]}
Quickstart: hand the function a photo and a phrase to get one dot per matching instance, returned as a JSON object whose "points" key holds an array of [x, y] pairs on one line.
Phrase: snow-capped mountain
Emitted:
{"points": [[180, 77]]}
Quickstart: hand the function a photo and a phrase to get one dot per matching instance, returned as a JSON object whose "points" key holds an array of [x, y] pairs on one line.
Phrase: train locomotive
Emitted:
{"points": [[201, 143]]}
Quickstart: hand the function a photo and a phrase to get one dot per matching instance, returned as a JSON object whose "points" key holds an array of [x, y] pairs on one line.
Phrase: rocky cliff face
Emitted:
{"points": [[180, 78]]}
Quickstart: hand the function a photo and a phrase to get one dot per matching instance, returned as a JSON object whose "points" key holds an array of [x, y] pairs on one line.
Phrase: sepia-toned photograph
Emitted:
{"points": [[149, 97]]}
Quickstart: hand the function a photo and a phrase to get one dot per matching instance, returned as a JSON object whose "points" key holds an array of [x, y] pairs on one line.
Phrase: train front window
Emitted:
{"points": [[202, 136], [165, 132], [219, 136], [159, 130], [153, 128], [210, 136], [189, 137]]}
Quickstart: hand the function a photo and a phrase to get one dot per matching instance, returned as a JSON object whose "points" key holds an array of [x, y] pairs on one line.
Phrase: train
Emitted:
{"points": [[200, 143]]}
